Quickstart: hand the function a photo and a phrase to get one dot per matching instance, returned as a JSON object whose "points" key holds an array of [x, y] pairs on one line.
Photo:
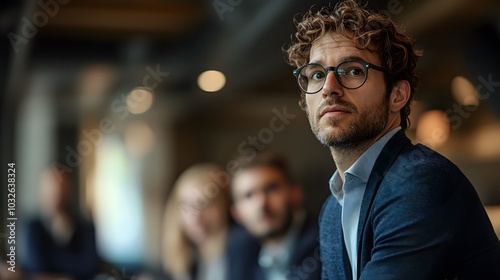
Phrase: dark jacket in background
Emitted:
{"points": [[243, 254], [78, 258]]}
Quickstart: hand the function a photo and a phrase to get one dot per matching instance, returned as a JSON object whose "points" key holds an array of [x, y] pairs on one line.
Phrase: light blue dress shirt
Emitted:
{"points": [[350, 193]]}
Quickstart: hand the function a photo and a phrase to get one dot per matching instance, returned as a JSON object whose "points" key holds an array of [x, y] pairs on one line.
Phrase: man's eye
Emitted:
{"points": [[248, 195], [354, 72], [317, 76], [271, 187]]}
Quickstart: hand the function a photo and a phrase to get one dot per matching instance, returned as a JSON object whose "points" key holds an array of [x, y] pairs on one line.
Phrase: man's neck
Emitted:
{"points": [[345, 158]]}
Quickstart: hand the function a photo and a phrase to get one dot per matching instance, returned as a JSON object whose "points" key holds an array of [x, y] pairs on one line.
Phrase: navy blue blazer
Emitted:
{"points": [[243, 253], [78, 258], [420, 218]]}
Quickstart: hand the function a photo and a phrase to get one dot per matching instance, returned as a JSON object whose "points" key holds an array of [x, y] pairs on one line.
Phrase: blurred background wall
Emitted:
{"points": [[112, 92]]}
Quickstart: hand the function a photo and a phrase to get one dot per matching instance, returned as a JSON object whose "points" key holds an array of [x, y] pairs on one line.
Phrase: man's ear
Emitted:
{"points": [[400, 95], [235, 214]]}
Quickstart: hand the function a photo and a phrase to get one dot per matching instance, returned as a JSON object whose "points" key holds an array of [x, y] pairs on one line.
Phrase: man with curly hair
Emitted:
{"points": [[397, 210]]}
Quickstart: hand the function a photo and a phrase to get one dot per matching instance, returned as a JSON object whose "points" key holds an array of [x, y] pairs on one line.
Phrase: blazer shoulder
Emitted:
{"points": [[306, 260], [328, 207], [420, 163], [242, 251], [422, 156], [239, 238], [308, 236], [424, 178]]}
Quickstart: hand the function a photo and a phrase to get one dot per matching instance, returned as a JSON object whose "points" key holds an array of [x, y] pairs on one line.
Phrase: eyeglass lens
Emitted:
{"points": [[350, 74]]}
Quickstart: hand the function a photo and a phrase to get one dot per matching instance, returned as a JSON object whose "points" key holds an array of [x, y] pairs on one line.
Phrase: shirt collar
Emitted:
{"points": [[363, 165]]}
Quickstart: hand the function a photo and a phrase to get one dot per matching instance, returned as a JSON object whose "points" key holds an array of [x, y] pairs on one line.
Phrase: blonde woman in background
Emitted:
{"points": [[195, 225]]}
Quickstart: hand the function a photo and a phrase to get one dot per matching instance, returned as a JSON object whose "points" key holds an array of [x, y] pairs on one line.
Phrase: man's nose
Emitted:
{"points": [[261, 199], [331, 86]]}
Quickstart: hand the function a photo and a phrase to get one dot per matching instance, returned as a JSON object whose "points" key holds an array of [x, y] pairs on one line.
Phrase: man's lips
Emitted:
{"points": [[334, 111]]}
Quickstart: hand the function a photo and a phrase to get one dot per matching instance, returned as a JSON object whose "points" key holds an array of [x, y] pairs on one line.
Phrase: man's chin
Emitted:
{"points": [[334, 125], [269, 233], [279, 230], [330, 135]]}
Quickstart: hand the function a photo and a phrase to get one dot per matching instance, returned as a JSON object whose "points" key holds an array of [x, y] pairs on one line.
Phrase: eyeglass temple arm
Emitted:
{"points": [[369, 65]]}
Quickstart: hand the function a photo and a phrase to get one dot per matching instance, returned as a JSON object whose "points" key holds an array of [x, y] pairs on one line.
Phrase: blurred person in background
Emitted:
{"points": [[60, 244], [280, 240], [195, 226]]}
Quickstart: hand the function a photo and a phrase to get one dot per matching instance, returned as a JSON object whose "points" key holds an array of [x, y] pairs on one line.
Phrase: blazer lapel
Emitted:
{"points": [[387, 156], [340, 252], [347, 263]]}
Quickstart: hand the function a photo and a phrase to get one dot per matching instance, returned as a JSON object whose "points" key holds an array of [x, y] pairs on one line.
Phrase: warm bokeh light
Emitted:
{"points": [[463, 91], [486, 142], [211, 81], [494, 215], [94, 85], [433, 128], [96, 79], [139, 100], [139, 138]]}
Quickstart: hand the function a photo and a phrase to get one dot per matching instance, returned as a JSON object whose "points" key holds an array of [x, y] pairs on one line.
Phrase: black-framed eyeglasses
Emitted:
{"points": [[351, 74]]}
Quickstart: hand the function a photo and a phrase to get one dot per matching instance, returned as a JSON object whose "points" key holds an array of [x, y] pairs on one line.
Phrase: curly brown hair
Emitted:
{"points": [[369, 30]]}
